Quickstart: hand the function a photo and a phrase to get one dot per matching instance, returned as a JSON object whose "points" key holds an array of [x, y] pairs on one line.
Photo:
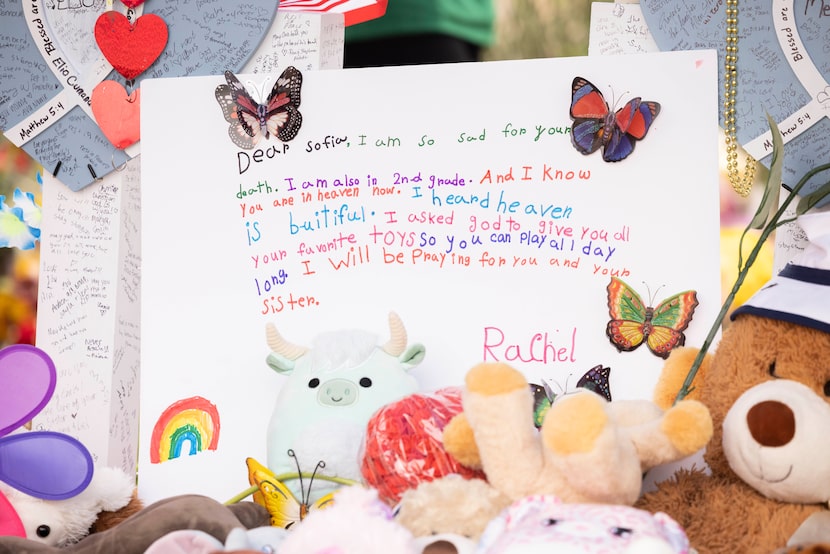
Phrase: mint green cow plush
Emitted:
{"points": [[332, 389]]}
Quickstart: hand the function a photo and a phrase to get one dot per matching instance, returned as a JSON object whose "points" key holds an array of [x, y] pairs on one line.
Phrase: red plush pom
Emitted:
{"points": [[403, 446]]}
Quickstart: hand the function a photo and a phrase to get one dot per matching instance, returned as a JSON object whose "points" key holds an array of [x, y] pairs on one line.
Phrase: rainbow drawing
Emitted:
{"points": [[188, 426]]}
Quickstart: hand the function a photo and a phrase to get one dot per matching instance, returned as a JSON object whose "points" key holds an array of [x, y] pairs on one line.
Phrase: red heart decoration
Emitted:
{"points": [[116, 113], [132, 3], [130, 48]]}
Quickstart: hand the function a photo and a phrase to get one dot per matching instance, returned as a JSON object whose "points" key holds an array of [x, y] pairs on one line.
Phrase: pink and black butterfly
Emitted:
{"points": [[595, 380], [250, 121], [596, 126]]}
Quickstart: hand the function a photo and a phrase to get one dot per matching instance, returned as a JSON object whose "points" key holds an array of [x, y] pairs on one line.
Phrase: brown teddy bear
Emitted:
{"points": [[767, 387]]}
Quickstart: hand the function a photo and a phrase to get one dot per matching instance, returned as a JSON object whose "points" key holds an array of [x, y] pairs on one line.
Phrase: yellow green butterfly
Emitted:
{"points": [[632, 322]]}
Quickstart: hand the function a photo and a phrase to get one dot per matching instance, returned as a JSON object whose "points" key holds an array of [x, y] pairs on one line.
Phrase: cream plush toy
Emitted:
{"points": [[452, 508], [588, 450]]}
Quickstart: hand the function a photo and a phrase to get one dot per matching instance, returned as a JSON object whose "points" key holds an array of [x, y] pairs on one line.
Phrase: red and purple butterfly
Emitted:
{"points": [[250, 120], [596, 126]]}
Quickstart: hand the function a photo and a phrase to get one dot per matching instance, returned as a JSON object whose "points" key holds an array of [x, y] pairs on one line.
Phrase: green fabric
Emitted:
{"points": [[471, 20]]}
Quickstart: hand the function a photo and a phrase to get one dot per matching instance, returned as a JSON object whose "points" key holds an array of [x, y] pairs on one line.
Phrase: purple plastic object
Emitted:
{"points": [[27, 381], [43, 464]]}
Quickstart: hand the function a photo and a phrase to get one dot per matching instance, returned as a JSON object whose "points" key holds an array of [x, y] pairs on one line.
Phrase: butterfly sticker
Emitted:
{"points": [[633, 323], [596, 126], [251, 121], [594, 380], [285, 509]]}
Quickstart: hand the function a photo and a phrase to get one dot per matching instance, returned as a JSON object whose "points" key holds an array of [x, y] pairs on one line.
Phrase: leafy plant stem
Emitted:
{"points": [[773, 224]]}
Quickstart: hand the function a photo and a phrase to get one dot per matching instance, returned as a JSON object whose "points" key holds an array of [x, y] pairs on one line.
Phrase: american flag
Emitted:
{"points": [[355, 11]]}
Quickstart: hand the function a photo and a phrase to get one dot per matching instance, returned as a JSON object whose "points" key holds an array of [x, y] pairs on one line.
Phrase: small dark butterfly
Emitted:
{"points": [[596, 126], [250, 121], [595, 380]]}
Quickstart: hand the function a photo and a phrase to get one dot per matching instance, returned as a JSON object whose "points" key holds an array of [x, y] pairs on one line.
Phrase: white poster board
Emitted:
{"points": [[450, 194]]}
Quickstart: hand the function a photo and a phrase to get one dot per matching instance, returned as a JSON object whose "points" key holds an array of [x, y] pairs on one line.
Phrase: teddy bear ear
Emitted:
{"points": [[674, 373]]}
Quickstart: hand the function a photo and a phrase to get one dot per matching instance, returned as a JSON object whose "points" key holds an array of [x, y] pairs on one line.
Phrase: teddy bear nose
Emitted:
{"points": [[771, 423]]}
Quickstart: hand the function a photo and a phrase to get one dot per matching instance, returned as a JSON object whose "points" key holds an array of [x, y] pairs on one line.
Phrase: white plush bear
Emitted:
{"points": [[63, 522]]}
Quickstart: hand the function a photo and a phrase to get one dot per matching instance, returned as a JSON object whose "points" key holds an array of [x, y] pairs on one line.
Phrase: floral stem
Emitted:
{"points": [[774, 223]]}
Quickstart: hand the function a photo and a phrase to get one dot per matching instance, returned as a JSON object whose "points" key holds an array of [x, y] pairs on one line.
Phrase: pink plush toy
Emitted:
{"points": [[541, 523], [358, 522]]}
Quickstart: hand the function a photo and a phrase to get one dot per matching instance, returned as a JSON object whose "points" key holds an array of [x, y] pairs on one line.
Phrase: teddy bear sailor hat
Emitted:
{"points": [[800, 293]]}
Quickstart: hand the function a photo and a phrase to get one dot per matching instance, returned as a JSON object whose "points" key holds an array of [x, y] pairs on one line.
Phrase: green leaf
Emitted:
{"points": [[769, 201], [768, 227], [808, 201]]}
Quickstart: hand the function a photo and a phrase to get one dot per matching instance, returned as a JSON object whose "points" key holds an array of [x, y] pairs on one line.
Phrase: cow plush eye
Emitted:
{"points": [[550, 522], [43, 531], [365, 382], [621, 531], [314, 383]]}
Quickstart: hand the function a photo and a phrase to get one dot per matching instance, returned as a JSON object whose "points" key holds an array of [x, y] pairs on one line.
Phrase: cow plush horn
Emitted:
{"points": [[281, 346], [397, 343]]}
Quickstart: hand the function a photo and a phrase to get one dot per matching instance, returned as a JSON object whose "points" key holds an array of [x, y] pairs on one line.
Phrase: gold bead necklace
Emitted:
{"points": [[741, 184]]}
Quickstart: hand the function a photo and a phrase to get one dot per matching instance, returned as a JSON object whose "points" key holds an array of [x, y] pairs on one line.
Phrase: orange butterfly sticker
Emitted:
{"points": [[633, 322]]}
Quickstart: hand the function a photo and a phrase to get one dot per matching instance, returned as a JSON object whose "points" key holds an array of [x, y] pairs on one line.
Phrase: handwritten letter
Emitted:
{"points": [[450, 194]]}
